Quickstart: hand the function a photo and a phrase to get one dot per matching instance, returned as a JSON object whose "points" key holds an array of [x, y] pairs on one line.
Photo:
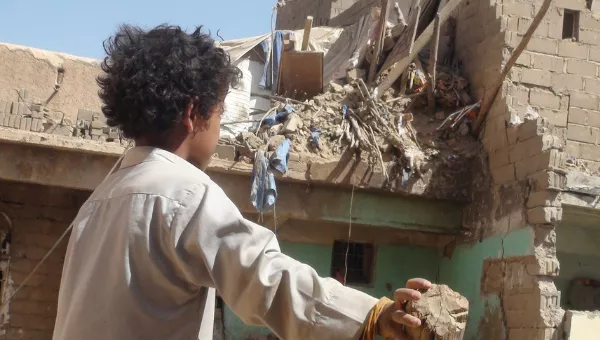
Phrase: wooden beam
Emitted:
{"points": [[433, 56], [490, 95], [383, 16], [400, 66], [307, 28]]}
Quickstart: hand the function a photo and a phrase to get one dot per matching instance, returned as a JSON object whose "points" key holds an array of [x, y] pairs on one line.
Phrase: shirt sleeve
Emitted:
{"points": [[261, 285]]}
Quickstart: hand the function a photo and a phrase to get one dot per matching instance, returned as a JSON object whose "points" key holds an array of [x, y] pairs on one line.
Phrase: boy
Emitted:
{"points": [[158, 237]]}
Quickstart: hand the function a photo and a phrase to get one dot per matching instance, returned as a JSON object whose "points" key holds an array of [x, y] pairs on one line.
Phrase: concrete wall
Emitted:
{"points": [[39, 216], [464, 270], [394, 266]]}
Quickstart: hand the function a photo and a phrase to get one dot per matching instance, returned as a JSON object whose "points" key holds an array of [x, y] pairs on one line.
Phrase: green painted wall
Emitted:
{"points": [[394, 265], [464, 270]]}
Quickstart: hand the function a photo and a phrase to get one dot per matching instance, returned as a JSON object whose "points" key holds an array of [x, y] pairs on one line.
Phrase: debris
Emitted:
{"points": [[292, 124], [443, 313], [531, 114], [397, 63], [355, 74]]}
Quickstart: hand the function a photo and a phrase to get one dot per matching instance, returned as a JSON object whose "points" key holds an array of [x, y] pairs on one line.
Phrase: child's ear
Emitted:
{"points": [[189, 118]]}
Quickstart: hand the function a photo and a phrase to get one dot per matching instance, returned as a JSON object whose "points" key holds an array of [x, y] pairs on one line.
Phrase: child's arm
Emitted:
{"points": [[221, 249]]}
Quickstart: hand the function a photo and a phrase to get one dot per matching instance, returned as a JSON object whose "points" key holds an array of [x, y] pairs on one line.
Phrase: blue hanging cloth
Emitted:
{"points": [[279, 157], [272, 63], [263, 193]]}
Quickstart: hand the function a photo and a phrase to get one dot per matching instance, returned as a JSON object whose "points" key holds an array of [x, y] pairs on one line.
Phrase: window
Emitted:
{"points": [[360, 262], [571, 25]]}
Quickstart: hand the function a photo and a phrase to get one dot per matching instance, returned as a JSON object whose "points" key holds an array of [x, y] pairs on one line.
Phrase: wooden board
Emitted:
{"points": [[300, 75], [401, 61]]}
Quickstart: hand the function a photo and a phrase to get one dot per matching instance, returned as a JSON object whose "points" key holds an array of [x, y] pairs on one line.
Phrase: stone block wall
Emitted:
{"points": [[39, 216], [525, 136]]}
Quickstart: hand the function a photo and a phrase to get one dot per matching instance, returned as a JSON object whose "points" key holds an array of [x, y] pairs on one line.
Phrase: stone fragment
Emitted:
{"points": [[293, 123], [443, 313]]}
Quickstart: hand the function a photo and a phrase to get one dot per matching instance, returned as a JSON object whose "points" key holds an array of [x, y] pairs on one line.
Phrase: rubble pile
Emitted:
{"points": [[395, 134]]}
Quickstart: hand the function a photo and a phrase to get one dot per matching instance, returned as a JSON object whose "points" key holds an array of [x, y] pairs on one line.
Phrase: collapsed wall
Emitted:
{"points": [[543, 124]]}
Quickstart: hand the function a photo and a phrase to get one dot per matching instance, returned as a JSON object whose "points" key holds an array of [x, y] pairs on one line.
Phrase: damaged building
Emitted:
{"points": [[494, 196]]}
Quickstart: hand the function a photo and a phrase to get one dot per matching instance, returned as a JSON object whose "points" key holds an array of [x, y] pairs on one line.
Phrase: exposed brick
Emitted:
{"points": [[582, 133], [592, 85], [595, 53], [555, 117], [571, 49], [589, 37], [593, 119], [578, 116], [584, 100], [533, 146], [536, 77], [525, 59], [582, 67], [537, 163], [583, 151], [548, 63], [571, 4], [588, 22], [518, 9], [544, 99], [547, 180], [544, 198], [544, 215], [564, 82], [541, 45]]}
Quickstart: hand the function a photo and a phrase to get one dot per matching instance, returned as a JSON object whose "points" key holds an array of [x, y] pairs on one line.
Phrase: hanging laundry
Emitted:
{"points": [[263, 193], [279, 157]]}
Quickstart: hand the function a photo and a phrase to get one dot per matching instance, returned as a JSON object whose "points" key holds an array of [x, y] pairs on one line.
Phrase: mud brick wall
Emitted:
{"points": [[37, 71], [525, 136], [559, 77], [39, 216]]}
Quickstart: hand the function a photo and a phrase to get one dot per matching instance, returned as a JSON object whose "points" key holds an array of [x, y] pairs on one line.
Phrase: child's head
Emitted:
{"points": [[166, 88]]}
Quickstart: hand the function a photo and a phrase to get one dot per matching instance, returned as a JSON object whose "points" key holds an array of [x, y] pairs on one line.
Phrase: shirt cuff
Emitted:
{"points": [[344, 315]]}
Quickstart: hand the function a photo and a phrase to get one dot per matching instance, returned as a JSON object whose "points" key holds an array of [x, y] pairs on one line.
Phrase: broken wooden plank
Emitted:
{"points": [[433, 56], [300, 74], [400, 65], [414, 34], [307, 28], [383, 16], [489, 96]]}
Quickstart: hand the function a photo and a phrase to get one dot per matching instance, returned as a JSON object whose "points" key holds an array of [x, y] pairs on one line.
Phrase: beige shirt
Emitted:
{"points": [[158, 237]]}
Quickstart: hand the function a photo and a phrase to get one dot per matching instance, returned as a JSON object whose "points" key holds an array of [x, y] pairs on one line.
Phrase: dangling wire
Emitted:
{"points": [[349, 235]]}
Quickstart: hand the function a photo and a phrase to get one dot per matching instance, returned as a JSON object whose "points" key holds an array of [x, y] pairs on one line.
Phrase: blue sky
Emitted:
{"points": [[80, 26]]}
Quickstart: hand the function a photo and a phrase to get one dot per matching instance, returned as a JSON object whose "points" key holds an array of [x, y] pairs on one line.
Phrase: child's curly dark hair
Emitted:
{"points": [[150, 77]]}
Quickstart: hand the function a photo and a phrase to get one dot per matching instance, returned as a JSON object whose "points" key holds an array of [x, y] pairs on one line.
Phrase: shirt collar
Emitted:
{"points": [[143, 154]]}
